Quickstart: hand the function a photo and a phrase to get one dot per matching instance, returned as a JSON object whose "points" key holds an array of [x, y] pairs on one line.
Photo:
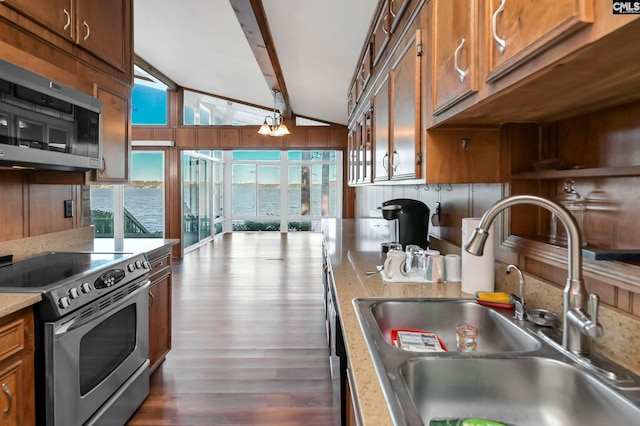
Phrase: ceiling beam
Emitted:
{"points": [[253, 21]]}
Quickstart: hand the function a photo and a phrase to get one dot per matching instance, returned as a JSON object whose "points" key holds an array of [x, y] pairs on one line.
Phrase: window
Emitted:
{"points": [[135, 210], [310, 180], [201, 109], [148, 99], [202, 209]]}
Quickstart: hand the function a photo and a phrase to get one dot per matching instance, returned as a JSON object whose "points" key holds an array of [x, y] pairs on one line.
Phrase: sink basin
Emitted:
{"points": [[496, 333], [516, 391], [514, 376]]}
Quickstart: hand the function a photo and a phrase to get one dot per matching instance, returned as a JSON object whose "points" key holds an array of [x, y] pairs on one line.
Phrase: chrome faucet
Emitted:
{"points": [[521, 308], [578, 324]]}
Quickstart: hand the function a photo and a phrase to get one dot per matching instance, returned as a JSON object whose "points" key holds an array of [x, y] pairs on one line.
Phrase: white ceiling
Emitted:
{"points": [[201, 46]]}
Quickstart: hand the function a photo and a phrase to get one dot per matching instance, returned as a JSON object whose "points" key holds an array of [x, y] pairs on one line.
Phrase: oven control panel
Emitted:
{"points": [[85, 289], [109, 278]]}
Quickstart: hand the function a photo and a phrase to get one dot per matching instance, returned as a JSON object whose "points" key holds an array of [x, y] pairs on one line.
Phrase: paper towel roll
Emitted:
{"points": [[478, 272]]}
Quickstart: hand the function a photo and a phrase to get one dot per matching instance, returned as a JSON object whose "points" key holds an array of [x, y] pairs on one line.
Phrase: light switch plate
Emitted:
{"points": [[68, 208]]}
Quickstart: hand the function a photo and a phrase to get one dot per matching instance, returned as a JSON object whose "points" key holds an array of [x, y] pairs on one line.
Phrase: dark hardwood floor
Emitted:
{"points": [[249, 342]]}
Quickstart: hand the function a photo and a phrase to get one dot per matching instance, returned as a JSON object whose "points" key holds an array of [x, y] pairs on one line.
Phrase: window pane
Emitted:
{"points": [[323, 195], [217, 190], [102, 210], [256, 155], [311, 155], [190, 208], [295, 179], [148, 99], [144, 197], [243, 190], [222, 111], [189, 115], [268, 190], [205, 116], [204, 198]]}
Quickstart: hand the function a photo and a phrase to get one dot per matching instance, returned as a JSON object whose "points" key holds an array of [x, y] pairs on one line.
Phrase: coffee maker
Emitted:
{"points": [[411, 221]]}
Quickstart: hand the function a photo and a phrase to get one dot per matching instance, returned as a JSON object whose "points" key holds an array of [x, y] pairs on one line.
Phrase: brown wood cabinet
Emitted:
{"points": [[159, 307], [521, 29], [464, 156], [116, 142], [406, 107], [381, 34], [17, 388], [101, 28], [396, 10], [381, 132], [454, 42]]}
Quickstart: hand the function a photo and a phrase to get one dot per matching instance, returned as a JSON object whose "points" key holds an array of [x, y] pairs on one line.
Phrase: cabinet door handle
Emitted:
{"points": [[462, 74], [494, 22], [393, 15], [66, 26], [384, 28], [151, 299], [394, 165], [104, 166], [385, 163], [7, 392], [88, 33]]}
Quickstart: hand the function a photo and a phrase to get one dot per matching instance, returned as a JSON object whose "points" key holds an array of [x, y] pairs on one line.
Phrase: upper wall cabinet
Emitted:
{"points": [[381, 132], [381, 33], [102, 28], [454, 42], [116, 145], [396, 10], [521, 29], [406, 118]]}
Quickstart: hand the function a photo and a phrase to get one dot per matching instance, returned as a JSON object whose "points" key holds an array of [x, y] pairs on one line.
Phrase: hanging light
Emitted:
{"points": [[277, 126]]}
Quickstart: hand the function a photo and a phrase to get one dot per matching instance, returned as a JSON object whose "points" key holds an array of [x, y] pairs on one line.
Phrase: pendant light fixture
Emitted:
{"points": [[277, 126]]}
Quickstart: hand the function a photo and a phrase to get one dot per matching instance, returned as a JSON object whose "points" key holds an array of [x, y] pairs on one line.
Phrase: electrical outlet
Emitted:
{"points": [[68, 208]]}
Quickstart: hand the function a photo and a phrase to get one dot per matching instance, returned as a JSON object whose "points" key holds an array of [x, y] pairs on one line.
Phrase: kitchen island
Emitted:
{"points": [[353, 247]]}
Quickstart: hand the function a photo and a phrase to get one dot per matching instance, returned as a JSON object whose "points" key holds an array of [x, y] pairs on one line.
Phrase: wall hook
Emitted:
{"points": [[438, 188], [426, 187], [449, 187], [465, 143]]}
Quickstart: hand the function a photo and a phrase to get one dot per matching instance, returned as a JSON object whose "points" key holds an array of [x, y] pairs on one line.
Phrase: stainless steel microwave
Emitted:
{"points": [[45, 125]]}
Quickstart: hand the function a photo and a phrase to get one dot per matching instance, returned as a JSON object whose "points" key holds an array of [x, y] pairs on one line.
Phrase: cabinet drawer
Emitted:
{"points": [[159, 266], [11, 338]]}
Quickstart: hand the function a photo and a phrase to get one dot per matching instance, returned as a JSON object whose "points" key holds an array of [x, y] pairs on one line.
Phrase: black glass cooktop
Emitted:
{"points": [[49, 270]]}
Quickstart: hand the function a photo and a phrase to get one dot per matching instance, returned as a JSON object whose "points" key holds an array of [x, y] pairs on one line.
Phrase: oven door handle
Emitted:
{"points": [[74, 323]]}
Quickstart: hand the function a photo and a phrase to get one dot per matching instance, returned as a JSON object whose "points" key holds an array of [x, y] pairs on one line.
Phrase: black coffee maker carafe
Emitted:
{"points": [[412, 221]]}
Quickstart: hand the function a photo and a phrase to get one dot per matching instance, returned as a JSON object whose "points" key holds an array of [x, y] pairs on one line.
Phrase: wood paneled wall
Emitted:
{"points": [[31, 207]]}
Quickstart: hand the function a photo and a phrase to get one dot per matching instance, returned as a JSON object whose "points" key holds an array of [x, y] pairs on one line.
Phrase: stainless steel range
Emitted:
{"points": [[91, 337]]}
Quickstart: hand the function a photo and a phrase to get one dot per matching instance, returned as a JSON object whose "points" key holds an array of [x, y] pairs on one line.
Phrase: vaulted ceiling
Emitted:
{"points": [[243, 49]]}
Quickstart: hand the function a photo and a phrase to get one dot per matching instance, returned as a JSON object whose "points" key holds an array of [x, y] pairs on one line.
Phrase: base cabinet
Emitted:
{"points": [[17, 388], [159, 309]]}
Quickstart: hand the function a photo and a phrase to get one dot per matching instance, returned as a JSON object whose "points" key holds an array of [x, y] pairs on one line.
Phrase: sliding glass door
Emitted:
{"points": [[201, 196]]}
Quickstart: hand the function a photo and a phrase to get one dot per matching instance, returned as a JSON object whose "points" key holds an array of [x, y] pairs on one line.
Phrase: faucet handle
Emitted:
{"points": [[592, 328]]}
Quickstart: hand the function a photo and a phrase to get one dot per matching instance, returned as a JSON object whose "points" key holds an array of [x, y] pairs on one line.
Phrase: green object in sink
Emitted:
{"points": [[465, 422]]}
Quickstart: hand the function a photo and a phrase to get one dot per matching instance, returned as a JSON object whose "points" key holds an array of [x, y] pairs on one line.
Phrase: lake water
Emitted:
{"points": [[146, 204]]}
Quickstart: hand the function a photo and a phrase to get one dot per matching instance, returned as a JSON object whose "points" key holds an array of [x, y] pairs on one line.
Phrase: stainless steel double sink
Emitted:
{"points": [[514, 376]]}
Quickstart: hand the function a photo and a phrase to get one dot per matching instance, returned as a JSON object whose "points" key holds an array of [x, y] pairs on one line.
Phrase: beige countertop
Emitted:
{"points": [[354, 249], [13, 302]]}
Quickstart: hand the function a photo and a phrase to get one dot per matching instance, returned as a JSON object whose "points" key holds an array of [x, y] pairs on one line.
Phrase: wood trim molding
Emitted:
{"points": [[617, 274], [253, 21]]}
